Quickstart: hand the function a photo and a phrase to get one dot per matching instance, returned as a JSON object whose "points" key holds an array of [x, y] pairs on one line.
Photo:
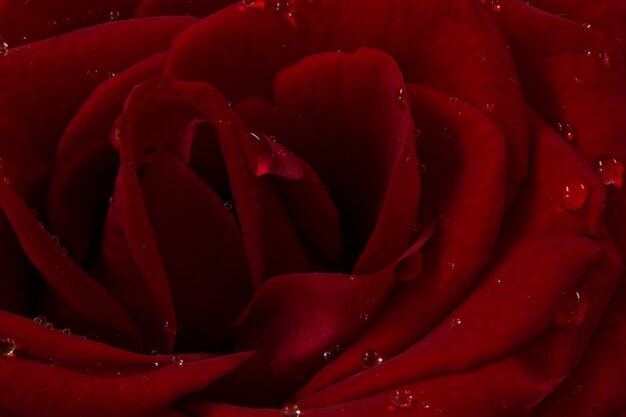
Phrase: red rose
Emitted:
{"points": [[312, 208]]}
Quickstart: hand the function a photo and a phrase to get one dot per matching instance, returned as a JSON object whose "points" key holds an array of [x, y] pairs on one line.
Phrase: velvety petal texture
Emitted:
{"points": [[312, 208]]}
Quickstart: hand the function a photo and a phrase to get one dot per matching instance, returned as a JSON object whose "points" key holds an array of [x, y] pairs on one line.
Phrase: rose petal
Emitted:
{"points": [[302, 319], [27, 21], [202, 252], [98, 311], [356, 128], [58, 390], [63, 71], [598, 384], [465, 165], [17, 281], [514, 303], [199, 8], [446, 52], [86, 162], [605, 15], [269, 235]]}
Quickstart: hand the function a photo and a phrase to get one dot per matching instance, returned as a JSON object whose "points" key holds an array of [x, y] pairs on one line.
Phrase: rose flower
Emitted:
{"points": [[312, 208]]}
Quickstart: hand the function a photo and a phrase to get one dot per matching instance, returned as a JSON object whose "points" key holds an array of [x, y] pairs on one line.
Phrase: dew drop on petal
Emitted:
{"points": [[496, 6], [574, 195], [364, 316], [456, 322], [177, 360], [587, 25], [611, 171], [291, 410], [402, 398], [370, 358], [567, 131], [7, 347], [605, 58], [421, 168], [67, 331], [4, 48], [490, 107], [332, 353], [41, 320], [114, 14], [229, 204], [572, 310], [401, 98]]}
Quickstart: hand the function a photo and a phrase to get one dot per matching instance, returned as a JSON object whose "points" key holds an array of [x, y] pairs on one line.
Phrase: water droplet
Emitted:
{"points": [[93, 74], [285, 10], [178, 360], [402, 398], [167, 327], [587, 25], [48, 325], [229, 204], [364, 316], [572, 310], [496, 6], [490, 107], [408, 157], [605, 58], [41, 320], [451, 265], [401, 98], [67, 331], [291, 410], [611, 171], [453, 99], [370, 358], [417, 227], [114, 15], [249, 3], [567, 131], [332, 353], [456, 322], [4, 48], [7, 347], [421, 168], [574, 195]]}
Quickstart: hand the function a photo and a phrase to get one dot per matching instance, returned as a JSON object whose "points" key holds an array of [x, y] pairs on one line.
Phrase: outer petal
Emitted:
{"points": [[76, 377], [97, 311], [28, 21], [199, 8], [63, 71]]}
